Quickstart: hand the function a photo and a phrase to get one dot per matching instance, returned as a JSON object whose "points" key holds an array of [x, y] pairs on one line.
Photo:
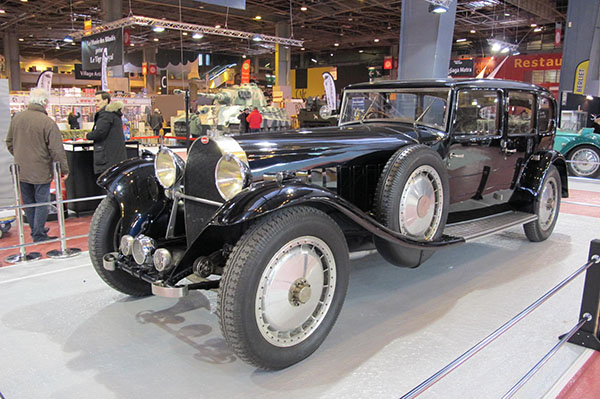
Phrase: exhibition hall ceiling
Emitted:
{"points": [[323, 25]]}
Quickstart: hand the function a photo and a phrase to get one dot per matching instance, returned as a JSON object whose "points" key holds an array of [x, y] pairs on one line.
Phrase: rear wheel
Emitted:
{"points": [[104, 237], [546, 206], [584, 161], [283, 287]]}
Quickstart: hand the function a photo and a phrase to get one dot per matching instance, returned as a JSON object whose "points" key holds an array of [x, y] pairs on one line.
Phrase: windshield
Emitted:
{"points": [[422, 106]]}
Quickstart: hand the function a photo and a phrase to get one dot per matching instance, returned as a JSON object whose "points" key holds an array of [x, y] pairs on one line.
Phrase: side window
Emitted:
{"points": [[520, 113], [478, 112], [545, 113]]}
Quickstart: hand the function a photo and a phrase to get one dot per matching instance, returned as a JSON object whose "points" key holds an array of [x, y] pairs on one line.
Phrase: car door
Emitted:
{"points": [[475, 145], [518, 138]]}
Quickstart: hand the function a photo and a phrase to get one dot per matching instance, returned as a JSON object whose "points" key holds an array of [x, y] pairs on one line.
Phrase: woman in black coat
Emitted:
{"points": [[107, 133]]}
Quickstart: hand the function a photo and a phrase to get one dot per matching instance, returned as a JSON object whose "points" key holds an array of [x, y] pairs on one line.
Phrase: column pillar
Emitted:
{"points": [[149, 57], [11, 54], [425, 41], [111, 10], [580, 70], [283, 55]]}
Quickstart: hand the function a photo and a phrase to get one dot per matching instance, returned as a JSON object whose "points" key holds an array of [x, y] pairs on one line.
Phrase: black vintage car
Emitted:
{"points": [[269, 219]]}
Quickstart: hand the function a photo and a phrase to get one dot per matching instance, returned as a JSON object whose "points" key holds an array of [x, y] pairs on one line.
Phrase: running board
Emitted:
{"points": [[485, 226]]}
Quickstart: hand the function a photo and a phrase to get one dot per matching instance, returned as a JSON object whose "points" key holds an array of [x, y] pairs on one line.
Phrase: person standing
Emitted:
{"points": [[74, 120], [107, 133], [156, 121], [36, 142], [254, 120], [243, 122]]}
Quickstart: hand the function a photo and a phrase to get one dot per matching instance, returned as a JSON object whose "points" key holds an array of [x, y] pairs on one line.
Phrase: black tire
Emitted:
{"points": [[417, 164], [584, 153], [246, 287], [104, 238], [547, 206]]}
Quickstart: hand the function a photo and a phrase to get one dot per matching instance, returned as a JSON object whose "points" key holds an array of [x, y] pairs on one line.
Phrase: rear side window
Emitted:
{"points": [[545, 114], [521, 115], [478, 113]]}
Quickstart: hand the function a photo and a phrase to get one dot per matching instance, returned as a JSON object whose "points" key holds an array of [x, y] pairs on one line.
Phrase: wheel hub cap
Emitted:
{"points": [[421, 204], [548, 203], [586, 162], [295, 291]]}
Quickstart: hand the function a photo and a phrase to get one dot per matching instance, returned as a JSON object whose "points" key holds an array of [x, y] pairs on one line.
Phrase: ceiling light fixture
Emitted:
{"points": [[21, 39], [184, 33], [331, 54], [314, 60], [438, 6], [155, 39], [258, 18], [303, 8], [68, 39], [336, 44], [472, 31], [461, 40], [57, 47], [257, 38], [376, 40], [2, 11], [538, 29], [361, 51], [244, 56], [158, 29], [24, 1], [218, 26], [197, 36], [533, 25], [502, 46]]}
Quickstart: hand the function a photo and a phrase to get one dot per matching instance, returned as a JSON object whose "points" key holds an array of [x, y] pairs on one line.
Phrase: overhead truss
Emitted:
{"points": [[187, 27]]}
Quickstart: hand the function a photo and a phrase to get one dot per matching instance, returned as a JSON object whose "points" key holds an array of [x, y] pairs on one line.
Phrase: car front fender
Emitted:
{"points": [[265, 198], [137, 191]]}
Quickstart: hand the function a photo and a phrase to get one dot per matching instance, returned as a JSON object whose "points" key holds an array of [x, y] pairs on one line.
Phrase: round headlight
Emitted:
{"points": [[168, 167], [231, 176]]}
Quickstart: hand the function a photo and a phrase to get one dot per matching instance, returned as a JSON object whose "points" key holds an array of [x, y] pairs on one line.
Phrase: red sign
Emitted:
{"points": [[388, 63], [126, 37], [204, 140], [557, 34], [144, 69], [246, 72], [152, 69]]}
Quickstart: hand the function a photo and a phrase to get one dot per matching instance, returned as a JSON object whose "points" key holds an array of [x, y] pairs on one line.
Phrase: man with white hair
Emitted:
{"points": [[36, 142]]}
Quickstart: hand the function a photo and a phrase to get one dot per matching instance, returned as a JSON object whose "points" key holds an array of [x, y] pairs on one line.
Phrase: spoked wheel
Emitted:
{"points": [[283, 287], [585, 161], [412, 199], [546, 206], [104, 237]]}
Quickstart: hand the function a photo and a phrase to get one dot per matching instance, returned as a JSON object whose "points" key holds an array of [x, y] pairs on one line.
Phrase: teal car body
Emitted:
{"points": [[582, 150]]}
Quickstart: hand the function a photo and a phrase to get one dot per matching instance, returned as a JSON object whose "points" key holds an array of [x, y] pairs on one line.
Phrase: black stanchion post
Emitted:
{"points": [[589, 334]]}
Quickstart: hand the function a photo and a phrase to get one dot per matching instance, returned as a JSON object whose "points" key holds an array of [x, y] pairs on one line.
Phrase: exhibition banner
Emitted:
{"points": [[44, 81], [580, 77], [86, 75], [93, 46], [329, 84], [104, 70]]}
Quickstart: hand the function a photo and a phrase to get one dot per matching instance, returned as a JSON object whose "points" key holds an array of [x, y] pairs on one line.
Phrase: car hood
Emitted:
{"points": [[304, 149]]}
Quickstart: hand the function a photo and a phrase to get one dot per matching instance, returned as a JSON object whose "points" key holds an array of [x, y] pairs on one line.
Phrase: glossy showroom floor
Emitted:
{"points": [[65, 334]]}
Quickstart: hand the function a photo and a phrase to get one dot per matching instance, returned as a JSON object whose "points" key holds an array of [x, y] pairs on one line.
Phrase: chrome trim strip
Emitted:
{"points": [[196, 199]]}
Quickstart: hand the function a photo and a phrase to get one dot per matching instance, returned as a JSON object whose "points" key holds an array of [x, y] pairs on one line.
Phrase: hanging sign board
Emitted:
{"points": [[93, 46], [330, 92], [86, 75], [461, 68], [246, 72], [44, 81]]}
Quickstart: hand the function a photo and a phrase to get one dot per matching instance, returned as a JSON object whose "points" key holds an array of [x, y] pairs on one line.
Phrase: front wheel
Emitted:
{"points": [[283, 287], [584, 161], [104, 237], [546, 206]]}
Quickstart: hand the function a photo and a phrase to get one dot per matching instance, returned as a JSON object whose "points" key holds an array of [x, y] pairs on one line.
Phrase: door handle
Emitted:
{"points": [[455, 155]]}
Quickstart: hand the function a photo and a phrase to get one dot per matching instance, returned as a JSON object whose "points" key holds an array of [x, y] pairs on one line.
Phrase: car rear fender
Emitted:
{"points": [[137, 191], [535, 170]]}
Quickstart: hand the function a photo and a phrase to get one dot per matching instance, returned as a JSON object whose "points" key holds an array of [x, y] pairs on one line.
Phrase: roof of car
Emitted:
{"points": [[477, 83]]}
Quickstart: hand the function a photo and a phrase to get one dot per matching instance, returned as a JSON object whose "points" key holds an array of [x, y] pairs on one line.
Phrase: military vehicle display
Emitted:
{"points": [[222, 114]]}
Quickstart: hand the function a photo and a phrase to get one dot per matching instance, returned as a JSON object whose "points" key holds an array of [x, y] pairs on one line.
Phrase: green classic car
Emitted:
{"points": [[582, 150]]}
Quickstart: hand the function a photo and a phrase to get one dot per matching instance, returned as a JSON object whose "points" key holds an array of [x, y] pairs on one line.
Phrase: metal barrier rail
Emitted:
{"points": [[64, 252], [589, 299]]}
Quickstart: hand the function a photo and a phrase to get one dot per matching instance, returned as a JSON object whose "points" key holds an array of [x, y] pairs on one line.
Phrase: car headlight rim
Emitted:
{"points": [[168, 167], [231, 176]]}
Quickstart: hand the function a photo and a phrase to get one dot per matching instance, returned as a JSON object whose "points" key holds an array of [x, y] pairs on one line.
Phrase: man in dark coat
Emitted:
{"points": [[244, 128], [156, 121], [107, 133]]}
